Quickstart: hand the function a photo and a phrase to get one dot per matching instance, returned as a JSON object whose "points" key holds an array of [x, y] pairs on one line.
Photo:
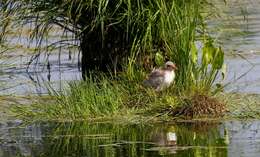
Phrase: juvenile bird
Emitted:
{"points": [[161, 78]]}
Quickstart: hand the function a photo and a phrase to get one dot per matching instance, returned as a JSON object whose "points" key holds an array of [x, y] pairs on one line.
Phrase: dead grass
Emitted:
{"points": [[200, 106]]}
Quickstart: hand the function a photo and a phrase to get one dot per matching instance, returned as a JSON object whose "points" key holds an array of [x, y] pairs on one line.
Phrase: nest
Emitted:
{"points": [[200, 106]]}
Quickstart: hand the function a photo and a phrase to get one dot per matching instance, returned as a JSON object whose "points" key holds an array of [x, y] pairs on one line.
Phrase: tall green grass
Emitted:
{"points": [[88, 99], [173, 31], [100, 98], [128, 33], [133, 35]]}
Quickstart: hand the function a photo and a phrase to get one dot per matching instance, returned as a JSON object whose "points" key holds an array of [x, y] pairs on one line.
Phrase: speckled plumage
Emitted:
{"points": [[162, 78]]}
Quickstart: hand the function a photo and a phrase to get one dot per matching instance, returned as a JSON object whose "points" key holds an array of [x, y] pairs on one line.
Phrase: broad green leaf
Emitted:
{"points": [[218, 59], [194, 53], [208, 51]]}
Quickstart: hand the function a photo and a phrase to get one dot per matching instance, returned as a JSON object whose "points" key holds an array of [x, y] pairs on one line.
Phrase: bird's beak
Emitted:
{"points": [[174, 67]]}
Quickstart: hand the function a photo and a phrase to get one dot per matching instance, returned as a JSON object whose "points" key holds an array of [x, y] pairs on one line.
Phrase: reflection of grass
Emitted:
{"points": [[98, 139], [108, 140], [199, 133]]}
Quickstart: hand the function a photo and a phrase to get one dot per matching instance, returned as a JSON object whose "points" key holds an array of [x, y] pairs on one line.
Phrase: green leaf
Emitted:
{"points": [[218, 58], [159, 60], [208, 51], [194, 53]]}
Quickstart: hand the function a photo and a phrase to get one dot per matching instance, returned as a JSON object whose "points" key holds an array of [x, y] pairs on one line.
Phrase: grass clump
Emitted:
{"points": [[87, 99], [90, 98], [109, 99], [131, 37], [200, 105]]}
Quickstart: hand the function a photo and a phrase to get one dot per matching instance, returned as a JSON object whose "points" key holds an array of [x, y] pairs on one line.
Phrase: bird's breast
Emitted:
{"points": [[169, 77]]}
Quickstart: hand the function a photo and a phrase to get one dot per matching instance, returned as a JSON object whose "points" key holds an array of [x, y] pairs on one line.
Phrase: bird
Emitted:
{"points": [[162, 78]]}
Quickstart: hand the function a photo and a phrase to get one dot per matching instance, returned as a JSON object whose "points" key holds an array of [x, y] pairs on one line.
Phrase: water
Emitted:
{"points": [[19, 79], [50, 68], [238, 31], [193, 139]]}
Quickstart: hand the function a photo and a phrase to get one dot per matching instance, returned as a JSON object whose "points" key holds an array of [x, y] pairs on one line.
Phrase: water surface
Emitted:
{"points": [[193, 139], [238, 31]]}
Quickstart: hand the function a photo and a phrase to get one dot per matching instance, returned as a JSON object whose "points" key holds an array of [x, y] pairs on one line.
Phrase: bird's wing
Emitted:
{"points": [[155, 79], [156, 73]]}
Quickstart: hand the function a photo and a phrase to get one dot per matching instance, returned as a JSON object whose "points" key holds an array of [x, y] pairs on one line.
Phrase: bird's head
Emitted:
{"points": [[170, 66]]}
